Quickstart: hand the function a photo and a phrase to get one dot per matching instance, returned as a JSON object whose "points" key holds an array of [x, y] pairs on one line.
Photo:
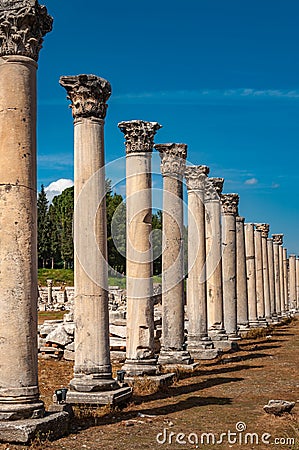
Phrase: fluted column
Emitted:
{"points": [[264, 229], [251, 274], [293, 282], [242, 293], [229, 263], [199, 344], [271, 277], [213, 191], [286, 279], [173, 163], [22, 27], [277, 241], [139, 139], [92, 369]]}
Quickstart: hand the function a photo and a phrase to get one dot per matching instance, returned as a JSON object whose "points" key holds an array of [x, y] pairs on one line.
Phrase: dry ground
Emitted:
{"points": [[213, 399]]}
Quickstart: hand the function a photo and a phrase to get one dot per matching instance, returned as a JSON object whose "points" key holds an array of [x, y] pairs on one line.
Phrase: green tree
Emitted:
{"points": [[43, 232], [157, 241]]}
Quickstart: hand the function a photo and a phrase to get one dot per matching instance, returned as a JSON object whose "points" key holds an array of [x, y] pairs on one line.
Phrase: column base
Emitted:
{"points": [[176, 357], [20, 411], [203, 349], [254, 323], [51, 426], [226, 345], [262, 322], [140, 367], [85, 384], [107, 397]]}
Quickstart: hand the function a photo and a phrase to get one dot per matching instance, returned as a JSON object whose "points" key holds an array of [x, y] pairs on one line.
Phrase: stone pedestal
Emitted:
{"points": [[277, 240], [229, 263], [251, 274], [92, 381], [213, 190], [173, 162], [264, 229], [271, 277], [293, 282], [242, 294], [199, 345], [140, 358], [21, 37]]}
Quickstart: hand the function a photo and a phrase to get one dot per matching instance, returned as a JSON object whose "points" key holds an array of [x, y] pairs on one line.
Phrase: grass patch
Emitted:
{"points": [[60, 277], [50, 315]]}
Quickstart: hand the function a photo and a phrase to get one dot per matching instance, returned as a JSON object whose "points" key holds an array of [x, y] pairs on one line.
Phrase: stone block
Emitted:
{"points": [[59, 336], [112, 397]]}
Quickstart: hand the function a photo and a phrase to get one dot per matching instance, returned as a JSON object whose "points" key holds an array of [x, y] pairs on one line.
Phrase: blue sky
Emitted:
{"points": [[219, 75]]}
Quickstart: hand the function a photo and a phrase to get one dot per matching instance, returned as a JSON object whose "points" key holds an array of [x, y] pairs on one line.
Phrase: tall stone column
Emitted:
{"points": [[140, 358], [214, 256], [251, 274], [22, 27], [293, 282], [229, 263], [281, 278], [277, 241], [259, 277], [92, 381], [271, 277], [50, 296], [242, 293], [173, 163], [297, 283], [264, 229], [286, 279], [199, 344]]}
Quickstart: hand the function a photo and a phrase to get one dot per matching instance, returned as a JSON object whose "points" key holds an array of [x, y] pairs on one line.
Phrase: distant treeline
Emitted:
{"points": [[55, 231]]}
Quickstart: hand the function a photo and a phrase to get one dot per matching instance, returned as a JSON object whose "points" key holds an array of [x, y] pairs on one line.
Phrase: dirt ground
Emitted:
{"points": [[224, 398]]}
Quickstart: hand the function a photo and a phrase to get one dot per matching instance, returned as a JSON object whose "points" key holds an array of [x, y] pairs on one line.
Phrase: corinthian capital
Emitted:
{"points": [[23, 24], [173, 159], [139, 135], [213, 189], [196, 177], [277, 238], [88, 94], [264, 228], [230, 204]]}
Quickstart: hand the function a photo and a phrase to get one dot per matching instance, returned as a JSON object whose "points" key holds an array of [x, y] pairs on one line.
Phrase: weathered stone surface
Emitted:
{"points": [[51, 426], [112, 397], [59, 336], [278, 407]]}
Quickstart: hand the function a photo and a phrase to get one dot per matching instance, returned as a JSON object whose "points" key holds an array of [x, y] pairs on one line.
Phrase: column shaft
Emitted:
{"points": [[285, 278], [293, 281], [251, 274], [242, 293], [271, 276], [259, 275]]}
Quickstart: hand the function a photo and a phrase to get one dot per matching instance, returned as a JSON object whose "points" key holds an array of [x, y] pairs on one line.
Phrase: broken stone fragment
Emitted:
{"points": [[59, 336], [278, 407]]}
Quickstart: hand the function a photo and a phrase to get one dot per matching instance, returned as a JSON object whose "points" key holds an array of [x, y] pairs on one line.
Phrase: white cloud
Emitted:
{"points": [[56, 187], [251, 181]]}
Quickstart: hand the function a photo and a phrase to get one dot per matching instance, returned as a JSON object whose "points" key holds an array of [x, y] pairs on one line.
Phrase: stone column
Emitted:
{"points": [[92, 381], [264, 229], [173, 163], [286, 279], [293, 282], [214, 257], [251, 274], [22, 28], [140, 358], [259, 277], [281, 278], [271, 277], [50, 286], [229, 264], [297, 283], [277, 240], [199, 344], [242, 293]]}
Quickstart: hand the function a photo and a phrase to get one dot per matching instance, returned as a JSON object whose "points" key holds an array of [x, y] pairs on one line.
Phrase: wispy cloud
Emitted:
{"points": [[251, 181], [201, 95], [57, 187]]}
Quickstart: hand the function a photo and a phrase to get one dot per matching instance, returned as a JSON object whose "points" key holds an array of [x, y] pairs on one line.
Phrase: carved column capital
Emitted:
{"points": [[196, 177], [277, 238], [139, 135], [23, 24], [213, 189], [230, 204], [88, 94], [173, 159], [264, 228]]}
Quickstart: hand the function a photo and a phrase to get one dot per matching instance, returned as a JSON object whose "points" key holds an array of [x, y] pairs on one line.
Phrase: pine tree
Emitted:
{"points": [[43, 235]]}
